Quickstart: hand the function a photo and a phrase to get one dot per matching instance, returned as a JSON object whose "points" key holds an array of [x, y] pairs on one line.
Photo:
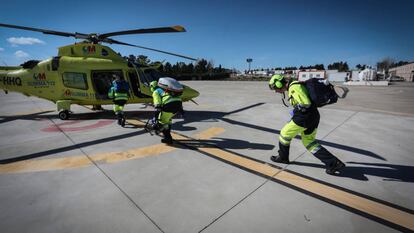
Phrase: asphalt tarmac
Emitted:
{"points": [[88, 174]]}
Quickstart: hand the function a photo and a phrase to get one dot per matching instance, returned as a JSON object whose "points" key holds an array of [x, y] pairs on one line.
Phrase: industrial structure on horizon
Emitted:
{"points": [[399, 73]]}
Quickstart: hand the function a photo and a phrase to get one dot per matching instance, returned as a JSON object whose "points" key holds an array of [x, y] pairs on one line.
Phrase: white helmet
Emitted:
{"points": [[170, 84]]}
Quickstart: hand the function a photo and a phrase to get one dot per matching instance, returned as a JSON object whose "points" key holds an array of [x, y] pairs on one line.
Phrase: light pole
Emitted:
{"points": [[249, 60]]}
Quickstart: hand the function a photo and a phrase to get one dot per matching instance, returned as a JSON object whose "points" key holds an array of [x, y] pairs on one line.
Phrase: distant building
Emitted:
{"points": [[260, 72], [336, 76], [273, 72], [304, 75], [367, 74], [405, 71]]}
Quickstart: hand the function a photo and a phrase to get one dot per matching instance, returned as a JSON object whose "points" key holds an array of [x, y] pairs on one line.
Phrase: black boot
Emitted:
{"points": [[167, 136], [332, 163], [283, 156], [336, 167], [121, 118]]}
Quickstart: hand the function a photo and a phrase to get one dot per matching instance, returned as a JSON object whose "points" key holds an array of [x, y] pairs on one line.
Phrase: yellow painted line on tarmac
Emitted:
{"points": [[133, 153], [111, 157], [45, 164], [325, 192], [137, 123], [365, 205]]}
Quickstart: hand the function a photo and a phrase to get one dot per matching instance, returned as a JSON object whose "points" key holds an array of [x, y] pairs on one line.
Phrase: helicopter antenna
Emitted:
{"points": [[104, 38]]}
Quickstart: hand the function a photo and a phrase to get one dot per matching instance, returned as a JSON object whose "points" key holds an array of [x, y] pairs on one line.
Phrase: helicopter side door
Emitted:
{"points": [[146, 76], [102, 82], [136, 84]]}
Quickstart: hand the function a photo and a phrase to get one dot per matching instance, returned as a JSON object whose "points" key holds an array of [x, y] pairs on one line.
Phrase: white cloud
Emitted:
{"points": [[24, 41], [21, 54], [1, 49]]}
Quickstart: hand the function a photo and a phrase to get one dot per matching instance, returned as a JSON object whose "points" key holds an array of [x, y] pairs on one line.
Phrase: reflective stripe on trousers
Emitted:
{"points": [[291, 129]]}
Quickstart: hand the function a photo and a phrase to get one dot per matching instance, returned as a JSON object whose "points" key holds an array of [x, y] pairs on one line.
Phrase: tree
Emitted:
{"points": [[190, 68], [385, 64], [361, 67], [319, 67], [201, 66], [143, 60], [400, 63], [168, 68], [340, 66], [132, 58], [220, 69], [210, 66], [290, 68]]}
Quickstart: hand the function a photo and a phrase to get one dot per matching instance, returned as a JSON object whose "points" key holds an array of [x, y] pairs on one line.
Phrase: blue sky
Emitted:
{"points": [[273, 33]]}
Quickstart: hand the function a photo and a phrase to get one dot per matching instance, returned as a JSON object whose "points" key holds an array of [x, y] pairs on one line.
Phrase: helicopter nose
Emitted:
{"points": [[189, 93]]}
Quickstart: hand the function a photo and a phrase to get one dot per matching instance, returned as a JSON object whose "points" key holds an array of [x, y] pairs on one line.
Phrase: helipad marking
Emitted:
{"points": [[386, 214], [152, 150], [60, 127], [112, 157]]}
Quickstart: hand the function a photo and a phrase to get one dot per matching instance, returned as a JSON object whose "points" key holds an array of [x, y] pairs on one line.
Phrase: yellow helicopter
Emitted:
{"points": [[82, 73]]}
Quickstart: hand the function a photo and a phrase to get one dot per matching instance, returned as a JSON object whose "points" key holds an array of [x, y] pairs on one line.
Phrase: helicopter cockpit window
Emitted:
{"points": [[75, 80]]}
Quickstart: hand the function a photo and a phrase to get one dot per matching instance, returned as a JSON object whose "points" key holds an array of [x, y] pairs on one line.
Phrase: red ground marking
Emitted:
{"points": [[59, 127]]}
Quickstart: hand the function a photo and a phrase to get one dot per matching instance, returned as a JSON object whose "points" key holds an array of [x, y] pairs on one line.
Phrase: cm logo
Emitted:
{"points": [[39, 76], [88, 49]]}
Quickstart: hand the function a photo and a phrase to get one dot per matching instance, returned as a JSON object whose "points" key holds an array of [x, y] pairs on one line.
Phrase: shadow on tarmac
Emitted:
{"points": [[389, 172], [71, 147], [228, 144], [190, 117]]}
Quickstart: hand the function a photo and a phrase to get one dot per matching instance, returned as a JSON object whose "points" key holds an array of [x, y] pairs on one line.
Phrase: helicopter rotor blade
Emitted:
{"points": [[96, 38], [143, 31], [44, 31], [112, 41]]}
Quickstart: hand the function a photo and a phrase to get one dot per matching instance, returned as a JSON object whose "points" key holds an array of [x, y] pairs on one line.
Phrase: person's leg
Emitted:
{"points": [[288, 132], [118, 106], [165, 120], [331, 162], [119, 111], [167, 135]]}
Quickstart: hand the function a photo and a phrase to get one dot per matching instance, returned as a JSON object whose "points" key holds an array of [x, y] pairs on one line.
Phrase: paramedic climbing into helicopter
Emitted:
{"points": [[119, 92], [167, 103]]}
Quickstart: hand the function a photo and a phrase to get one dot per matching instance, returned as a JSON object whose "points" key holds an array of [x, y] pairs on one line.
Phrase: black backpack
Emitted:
{"points": [[320, 93], [121, 86]]}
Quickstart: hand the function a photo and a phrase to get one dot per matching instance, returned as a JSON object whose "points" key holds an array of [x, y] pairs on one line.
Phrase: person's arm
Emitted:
{"points": [[111, 93], [301, 100], [156, 99]]}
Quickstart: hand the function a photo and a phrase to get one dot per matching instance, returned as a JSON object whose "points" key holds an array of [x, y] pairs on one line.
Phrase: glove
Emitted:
{"points": [[299, 108]]}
